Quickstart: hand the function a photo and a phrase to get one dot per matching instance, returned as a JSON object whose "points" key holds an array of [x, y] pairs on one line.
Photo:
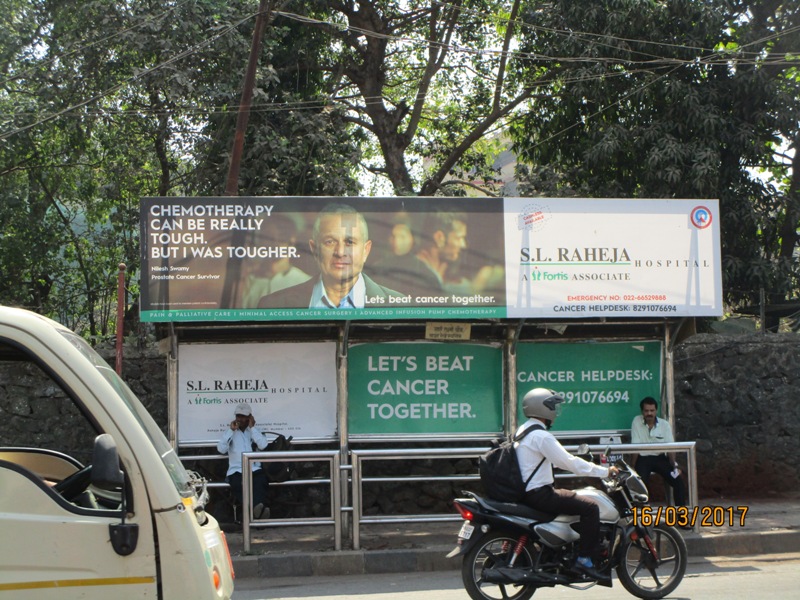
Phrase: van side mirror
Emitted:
{"points": [[106, 473]]}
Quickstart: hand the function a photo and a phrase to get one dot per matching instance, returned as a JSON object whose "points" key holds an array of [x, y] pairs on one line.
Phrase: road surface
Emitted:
{"points": [[775, 576]]}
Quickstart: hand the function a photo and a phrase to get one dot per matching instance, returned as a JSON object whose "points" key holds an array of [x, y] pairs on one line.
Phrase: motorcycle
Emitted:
{"points": [[510, 550]]}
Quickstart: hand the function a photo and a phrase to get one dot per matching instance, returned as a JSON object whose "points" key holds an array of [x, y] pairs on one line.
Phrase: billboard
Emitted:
{"points": [[290, 387], [602, 382], [424, 388], [315, 258], [572, 258]]}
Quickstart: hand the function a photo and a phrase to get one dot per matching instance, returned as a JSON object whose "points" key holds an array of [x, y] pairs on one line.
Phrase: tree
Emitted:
{"points": [[296, 142], [423, 80], [677, 99], [105, 102]]}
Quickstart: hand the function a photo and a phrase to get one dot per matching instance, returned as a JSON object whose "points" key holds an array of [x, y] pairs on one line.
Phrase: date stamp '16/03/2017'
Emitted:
{"points": [[685, 516]]}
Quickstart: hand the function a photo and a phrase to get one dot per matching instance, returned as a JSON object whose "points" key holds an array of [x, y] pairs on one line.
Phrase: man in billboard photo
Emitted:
{"points": [[238, 438], [397, 268], [443, 237], [340, 245], [268, 275]]}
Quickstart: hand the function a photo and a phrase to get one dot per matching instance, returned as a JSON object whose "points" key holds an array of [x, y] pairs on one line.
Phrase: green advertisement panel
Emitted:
{"points": [[602, 382], [425, 388]]}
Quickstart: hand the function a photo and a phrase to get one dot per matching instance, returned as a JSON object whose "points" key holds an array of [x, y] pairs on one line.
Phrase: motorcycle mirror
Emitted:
{"points": [[584, 452]]}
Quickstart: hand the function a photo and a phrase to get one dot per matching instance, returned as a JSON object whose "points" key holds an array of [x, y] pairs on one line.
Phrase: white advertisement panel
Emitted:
{"points": [[290, 387], [583, 258]]}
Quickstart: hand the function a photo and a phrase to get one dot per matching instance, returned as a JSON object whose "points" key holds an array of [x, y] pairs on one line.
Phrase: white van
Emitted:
{"points": [[94, 503]]}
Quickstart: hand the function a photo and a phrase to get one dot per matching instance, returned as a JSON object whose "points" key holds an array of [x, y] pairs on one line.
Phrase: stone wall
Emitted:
{"points": [[34, 411], [737, 396]]}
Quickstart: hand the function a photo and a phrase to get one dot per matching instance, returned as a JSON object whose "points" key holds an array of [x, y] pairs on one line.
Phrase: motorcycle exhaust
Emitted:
{"points": [[517, 576]]}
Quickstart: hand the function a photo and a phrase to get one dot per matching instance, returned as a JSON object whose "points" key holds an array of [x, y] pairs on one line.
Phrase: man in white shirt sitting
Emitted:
{"points": [[239, 438], [649, 429]]}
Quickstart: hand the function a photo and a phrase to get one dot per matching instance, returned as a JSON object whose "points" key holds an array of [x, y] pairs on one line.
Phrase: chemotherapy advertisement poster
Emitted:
{"points": [[317, 258], [291, 389]]}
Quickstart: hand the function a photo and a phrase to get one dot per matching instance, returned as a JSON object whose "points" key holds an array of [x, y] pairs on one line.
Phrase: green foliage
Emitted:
{"points": [[104, 102], [682, 99], [423, 81]]}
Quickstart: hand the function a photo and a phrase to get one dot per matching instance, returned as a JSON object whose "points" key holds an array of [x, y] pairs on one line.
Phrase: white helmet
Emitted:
{"points": [[542, 403]]}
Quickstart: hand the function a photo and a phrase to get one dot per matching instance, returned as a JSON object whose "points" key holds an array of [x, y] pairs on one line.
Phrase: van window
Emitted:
{"points": [[45, 433], [169, 457]]}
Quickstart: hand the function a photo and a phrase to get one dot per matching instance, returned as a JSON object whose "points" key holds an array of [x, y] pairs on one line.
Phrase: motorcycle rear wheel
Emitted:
{"points": [[495, 549], [642, 575]]}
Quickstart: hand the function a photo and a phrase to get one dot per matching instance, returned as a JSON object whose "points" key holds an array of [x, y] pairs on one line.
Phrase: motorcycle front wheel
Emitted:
{"points": [[646, 576], [493, 550]]}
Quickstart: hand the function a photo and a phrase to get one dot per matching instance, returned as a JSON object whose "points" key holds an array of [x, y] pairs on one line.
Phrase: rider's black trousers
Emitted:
{"points": [[566, 502]]}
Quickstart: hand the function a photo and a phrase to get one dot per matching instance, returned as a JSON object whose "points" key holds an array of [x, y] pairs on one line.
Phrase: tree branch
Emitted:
{"points": [[470, 139], [450, 182], [501, 69]]}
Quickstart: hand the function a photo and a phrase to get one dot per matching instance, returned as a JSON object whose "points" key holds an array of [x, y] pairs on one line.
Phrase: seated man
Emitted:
{"points": [[649, 429], [239, 438]]}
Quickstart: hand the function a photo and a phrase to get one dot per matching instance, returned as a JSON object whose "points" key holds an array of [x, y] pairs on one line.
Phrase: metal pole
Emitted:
{"points": [[233, 269], [669, 378], [342, 404], [247, 502], [510, 402], [120, 314], [232, 185]]}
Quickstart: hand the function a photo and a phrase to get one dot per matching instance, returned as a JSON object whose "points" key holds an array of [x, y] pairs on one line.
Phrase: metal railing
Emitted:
{"points": [[687, 448], [338, 477], [359, 457], [334, 480]]}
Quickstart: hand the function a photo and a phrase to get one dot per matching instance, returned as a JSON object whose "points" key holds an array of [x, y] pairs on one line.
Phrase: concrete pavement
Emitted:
{"points": [[768, 527]]}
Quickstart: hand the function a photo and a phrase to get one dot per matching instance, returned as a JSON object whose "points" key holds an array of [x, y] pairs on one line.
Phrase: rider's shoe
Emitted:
{"points": [[586, 568]]}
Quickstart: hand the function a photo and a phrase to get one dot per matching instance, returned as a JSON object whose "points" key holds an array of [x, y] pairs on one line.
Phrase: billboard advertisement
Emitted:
{"points": [[424, 388], [315, 258], [291, 389], [602, 382], [568, 258]]}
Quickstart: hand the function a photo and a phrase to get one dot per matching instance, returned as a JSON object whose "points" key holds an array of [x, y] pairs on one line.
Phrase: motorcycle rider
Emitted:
{"points": [[541, 449]]}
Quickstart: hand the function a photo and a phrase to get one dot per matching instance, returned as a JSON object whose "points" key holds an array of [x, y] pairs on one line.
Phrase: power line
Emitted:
{"points": [[318, 104], [61, 57], [115, 88], [715, 57], [660, 62], [584, 34]]}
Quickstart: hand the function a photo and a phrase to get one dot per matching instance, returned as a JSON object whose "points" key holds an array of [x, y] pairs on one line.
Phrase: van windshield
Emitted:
{"points": [[180, 477]]}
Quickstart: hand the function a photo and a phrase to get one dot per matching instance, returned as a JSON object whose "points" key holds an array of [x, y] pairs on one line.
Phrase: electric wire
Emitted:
{"points": [[660, 62], [299, 105], [714, 57], [59, 58]]}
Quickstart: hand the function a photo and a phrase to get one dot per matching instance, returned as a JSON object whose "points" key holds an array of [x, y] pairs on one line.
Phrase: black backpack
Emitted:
{"points": [[499, 470], [278, 472]]}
